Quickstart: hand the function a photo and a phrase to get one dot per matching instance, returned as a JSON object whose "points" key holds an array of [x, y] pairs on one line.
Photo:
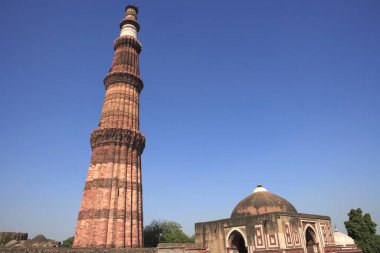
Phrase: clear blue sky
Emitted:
{"points": [[237, 93]]}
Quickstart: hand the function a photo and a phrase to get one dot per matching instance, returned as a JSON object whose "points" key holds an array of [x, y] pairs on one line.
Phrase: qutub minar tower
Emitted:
{"points": [[111, 213]]}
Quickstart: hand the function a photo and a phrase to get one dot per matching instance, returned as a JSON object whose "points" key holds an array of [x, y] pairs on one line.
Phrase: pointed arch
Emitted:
{"points": [[237, 242], [311, 239]]}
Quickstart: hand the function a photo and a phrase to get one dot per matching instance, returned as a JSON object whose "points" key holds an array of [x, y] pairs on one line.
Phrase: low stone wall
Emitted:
{"points": [[161, 248], [13, 236], [180, 248], [79, 250]]}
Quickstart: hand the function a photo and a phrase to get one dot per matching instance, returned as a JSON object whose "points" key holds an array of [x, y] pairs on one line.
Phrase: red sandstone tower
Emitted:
{"points": [[111, 212]]}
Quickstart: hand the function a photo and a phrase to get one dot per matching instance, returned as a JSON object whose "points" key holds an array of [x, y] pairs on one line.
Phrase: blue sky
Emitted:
{"points": [[280, 93]]}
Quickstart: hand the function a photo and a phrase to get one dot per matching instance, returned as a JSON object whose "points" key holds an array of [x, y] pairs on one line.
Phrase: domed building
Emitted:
{"points": [[344, 243], [266, 222], [261, 202]]}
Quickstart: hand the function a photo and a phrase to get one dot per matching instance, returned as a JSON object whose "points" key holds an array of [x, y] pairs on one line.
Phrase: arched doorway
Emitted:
{"points": [[311, 241], [236, 243]]}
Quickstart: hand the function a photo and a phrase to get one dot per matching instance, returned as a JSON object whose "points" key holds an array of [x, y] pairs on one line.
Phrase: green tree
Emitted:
{"points": [[166, 232], [378, 239], [363, 230], [68, 243]]}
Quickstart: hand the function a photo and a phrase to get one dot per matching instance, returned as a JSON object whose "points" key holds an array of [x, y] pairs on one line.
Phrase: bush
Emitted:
{"points": [[68, 243], [164, 232]]}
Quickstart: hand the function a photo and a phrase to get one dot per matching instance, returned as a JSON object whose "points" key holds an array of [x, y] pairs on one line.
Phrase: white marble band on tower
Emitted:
{"points": [[128, 30], [129, 25]]}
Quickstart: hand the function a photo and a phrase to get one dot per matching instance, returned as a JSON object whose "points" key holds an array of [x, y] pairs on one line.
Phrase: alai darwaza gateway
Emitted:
{"points": [[265, 222]]}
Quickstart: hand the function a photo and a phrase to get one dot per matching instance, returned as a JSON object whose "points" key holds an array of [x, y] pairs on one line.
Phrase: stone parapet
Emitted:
{"points": [[120, 77], [127, 41], [121, 137]]}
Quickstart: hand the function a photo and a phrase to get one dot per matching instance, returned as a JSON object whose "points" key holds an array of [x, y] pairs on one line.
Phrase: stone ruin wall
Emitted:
{"points": [[74, 250], [13, 236], [161, 248]]}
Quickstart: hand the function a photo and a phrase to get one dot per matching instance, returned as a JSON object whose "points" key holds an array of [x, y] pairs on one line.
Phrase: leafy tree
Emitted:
{"points": [[166, 232], [378, 239], [363, 230], [68, 243]]}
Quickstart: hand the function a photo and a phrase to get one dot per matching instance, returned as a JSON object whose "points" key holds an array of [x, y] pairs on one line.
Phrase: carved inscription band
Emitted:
{"points": [[107, 213], [112, 78], [118, 157], [115, 136], [123, 96], [112, 113], [109, 182]]}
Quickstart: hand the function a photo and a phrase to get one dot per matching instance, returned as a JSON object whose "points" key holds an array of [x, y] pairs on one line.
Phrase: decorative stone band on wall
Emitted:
{"points": [[124, 157], [109, 182], [130, 21], [115, 136], [107, 213], [127, 41], [117, 77], [123, 96], [118, 113]]}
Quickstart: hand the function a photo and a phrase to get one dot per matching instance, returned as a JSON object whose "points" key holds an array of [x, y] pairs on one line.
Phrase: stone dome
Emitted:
{"points": [[261, 202], [39, 238], [343, 239]]}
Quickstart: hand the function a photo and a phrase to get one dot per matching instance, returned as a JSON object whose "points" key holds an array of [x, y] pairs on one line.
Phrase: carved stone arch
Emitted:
{"points": [[237, 241], [311, 239], [314, 233], [238, 229]]}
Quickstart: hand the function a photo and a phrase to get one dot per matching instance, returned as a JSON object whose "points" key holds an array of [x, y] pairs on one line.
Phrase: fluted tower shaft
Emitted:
{"points": [[111, 213]]}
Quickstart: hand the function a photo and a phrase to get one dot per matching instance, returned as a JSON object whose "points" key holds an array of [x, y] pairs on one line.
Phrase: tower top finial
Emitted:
{"points": [[132, 6], [129, 25]]}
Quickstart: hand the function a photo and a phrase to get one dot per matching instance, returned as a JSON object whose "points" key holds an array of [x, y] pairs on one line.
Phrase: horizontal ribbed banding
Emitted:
{"points": [[106, 213], [131, 22], [116, 77], [117, 136], [127, 41]]}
